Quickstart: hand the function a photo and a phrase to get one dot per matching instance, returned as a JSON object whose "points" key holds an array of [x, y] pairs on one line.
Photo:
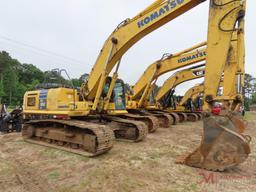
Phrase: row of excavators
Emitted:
{"points": [[88, 120]]}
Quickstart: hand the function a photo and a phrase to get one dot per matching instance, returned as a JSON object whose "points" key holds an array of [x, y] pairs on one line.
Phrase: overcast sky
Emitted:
{"points": [[70, 33]]}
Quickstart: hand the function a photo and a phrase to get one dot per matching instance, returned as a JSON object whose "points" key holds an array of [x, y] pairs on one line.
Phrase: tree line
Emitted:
{"points": [[16, 78], [249, 91]]}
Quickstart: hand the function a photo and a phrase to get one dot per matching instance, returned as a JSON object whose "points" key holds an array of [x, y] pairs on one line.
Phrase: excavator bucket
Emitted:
{"points": [[223, 145]]}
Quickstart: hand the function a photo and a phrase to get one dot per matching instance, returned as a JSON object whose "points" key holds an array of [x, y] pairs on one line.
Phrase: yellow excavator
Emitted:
{"points": [[164, 98], [140, 94], [191, 99], [86, 121]]}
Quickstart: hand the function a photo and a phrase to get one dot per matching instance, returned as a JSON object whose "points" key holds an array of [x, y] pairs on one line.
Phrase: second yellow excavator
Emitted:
{"points": [[191, 99], [141, 93]]}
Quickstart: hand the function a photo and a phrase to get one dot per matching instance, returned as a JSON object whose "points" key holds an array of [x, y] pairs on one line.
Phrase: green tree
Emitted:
{"points": [[28, 73], [1, 91], [10, 80], [253, 98], [4, 61], [248, 85], [16, 79], [249, 91]]}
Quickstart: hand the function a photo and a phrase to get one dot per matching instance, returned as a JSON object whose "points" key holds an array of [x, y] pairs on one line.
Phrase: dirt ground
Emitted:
{"points": [[137, 167]]}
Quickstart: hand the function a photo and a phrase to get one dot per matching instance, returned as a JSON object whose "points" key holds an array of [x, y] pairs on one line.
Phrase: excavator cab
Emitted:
{"points": [[190, 105], [168, 100], [198, 103], [118, 94]]}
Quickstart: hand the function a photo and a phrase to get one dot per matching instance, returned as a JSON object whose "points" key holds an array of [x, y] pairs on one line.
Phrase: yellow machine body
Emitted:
{"points": [[56, 101]]}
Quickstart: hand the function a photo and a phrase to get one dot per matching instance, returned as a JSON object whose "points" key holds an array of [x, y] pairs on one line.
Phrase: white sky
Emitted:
{"points": [[75, 30]]}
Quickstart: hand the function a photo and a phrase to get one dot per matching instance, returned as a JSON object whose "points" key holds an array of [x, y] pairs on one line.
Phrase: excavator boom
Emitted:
{"points": [[223, 18]]}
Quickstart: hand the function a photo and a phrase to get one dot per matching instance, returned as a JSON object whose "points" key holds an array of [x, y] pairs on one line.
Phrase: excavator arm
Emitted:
{"points": [[235, 66], [233, 71], [223, 19]]}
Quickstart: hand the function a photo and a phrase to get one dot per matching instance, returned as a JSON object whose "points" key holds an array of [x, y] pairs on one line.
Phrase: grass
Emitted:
{"points": [[194, 187], [67, 189], [9, 109], [5, 168], [54, 153], [53, 175], [250, 116]]}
